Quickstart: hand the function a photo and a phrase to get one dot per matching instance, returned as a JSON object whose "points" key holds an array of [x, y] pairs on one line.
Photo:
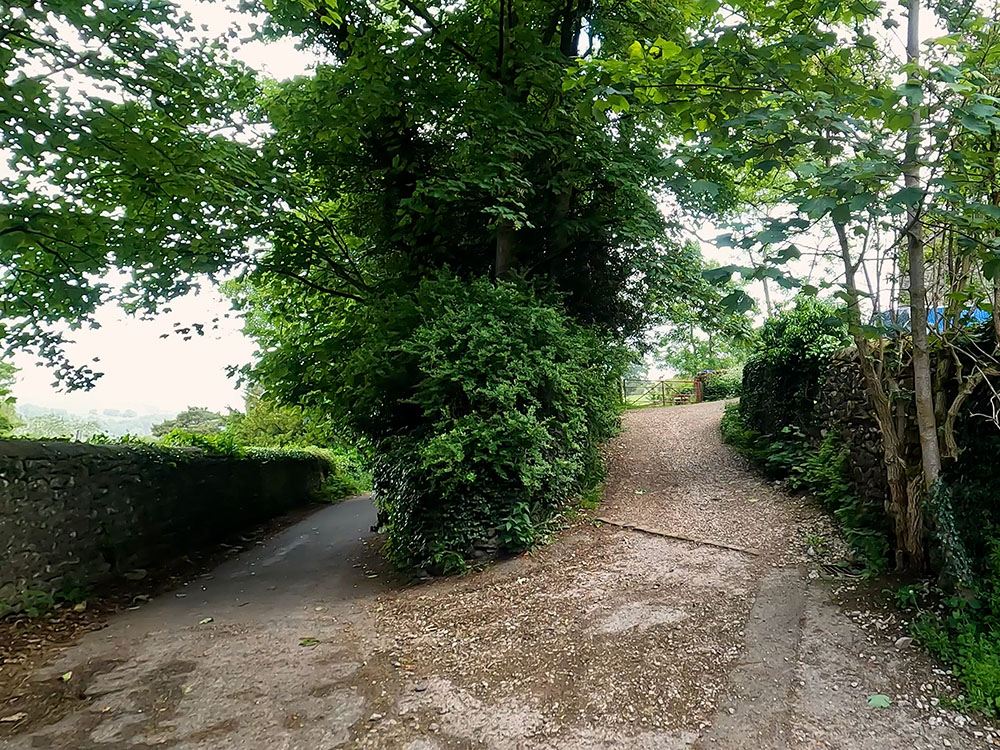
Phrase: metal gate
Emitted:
{"points": [[660, 392]]}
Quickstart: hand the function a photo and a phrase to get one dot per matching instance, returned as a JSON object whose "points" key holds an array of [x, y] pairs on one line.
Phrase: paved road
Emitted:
{"points": [[161, 675]]}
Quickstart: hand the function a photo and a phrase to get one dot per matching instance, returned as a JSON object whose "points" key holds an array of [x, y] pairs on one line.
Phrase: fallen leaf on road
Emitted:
{"points": [[14, 717], [206, 620], [877, 700], [66, 676], [309, 642]]}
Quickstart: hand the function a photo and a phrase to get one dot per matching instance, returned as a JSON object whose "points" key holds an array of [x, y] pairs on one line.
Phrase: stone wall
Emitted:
{"points": [[843, 405], [75, 515]]}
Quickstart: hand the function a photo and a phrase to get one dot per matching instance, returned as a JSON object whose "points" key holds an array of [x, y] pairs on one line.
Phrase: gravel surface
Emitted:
{"points": [[608, 637]]}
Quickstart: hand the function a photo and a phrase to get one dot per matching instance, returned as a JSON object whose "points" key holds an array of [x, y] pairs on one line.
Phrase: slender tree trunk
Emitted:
{"points": [[505, 250], [767, 297], [901, 503], [923, 381]]}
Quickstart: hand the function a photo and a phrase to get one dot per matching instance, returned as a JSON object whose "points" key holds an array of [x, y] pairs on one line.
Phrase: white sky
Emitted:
{"points": [[142, 371]]}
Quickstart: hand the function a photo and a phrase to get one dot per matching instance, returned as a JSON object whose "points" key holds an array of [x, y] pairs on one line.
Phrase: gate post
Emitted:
{"points": [[697, 389]]}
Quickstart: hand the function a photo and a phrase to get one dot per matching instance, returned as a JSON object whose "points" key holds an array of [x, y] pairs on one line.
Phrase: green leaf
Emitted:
{"points": [[877, 700], [737, 302], [719, 275], [785, 254], [912, 92], [816, 208], [704, 186]]}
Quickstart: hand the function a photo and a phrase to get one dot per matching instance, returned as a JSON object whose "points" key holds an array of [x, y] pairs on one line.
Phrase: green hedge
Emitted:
{"points": [[718, 386], [781, 379], [486, 406]]}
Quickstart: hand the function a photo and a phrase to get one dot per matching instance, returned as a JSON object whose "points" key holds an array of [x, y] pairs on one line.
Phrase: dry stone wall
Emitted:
{"points": [[75, 515], [843, 405]]}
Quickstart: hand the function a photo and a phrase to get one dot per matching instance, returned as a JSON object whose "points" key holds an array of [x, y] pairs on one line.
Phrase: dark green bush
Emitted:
{"points": [[486, 406], [781, 379], [717, 386], [736, 433], [963, 630]]}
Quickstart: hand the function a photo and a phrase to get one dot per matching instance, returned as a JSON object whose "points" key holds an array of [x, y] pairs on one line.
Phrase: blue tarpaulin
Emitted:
{"points": [[937, 319]]}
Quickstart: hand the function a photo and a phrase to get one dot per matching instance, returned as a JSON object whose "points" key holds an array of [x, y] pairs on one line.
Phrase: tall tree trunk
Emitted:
{"points": [[901, 502], [923, 382]]}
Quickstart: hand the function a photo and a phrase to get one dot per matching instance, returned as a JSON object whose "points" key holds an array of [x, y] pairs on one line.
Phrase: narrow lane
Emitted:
{"points": [[605, 638]]}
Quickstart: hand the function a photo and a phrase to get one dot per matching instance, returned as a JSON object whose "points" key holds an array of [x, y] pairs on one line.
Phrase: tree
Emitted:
{"points": [[702, 333], [267, 424], [59, 426], [120, 135], [8, 415], [194, 419], [806, 108]]}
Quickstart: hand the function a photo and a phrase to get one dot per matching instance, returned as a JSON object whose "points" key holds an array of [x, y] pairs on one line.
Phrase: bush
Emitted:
{"points": [[223, 443], [721, 385], [964, 631], [486, 407], [824, 472], [346, 469], [781, 379], [736, 433]]}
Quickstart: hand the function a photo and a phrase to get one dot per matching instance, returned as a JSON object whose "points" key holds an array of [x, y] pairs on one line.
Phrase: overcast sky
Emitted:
{"points": [[143, 371]]}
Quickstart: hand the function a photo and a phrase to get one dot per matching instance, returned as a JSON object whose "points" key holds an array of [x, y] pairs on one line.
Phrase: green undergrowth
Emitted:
{"points": [[957, 618], [38, 603], [962, 629], [822, 470]]}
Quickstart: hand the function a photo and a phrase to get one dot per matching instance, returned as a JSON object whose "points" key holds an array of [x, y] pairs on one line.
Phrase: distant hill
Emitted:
{"points": [[45, 421]]}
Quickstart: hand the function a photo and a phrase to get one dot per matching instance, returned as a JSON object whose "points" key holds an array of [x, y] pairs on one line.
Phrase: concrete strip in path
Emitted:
{"points": [[757, 714]]}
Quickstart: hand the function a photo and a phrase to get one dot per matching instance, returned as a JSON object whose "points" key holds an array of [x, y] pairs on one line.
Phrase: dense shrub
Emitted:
{"points": [[736, 433], [963, 630], [962, 626], [721, 385], [486, 407], [781, 378], [346, 473]]}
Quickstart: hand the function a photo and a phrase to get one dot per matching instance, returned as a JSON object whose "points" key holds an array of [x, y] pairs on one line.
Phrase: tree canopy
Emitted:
{"points": [[548, 153]]}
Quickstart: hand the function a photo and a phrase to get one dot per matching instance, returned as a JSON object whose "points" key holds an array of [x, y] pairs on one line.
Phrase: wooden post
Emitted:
{"points": [[697, 389], [663, 393]]}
